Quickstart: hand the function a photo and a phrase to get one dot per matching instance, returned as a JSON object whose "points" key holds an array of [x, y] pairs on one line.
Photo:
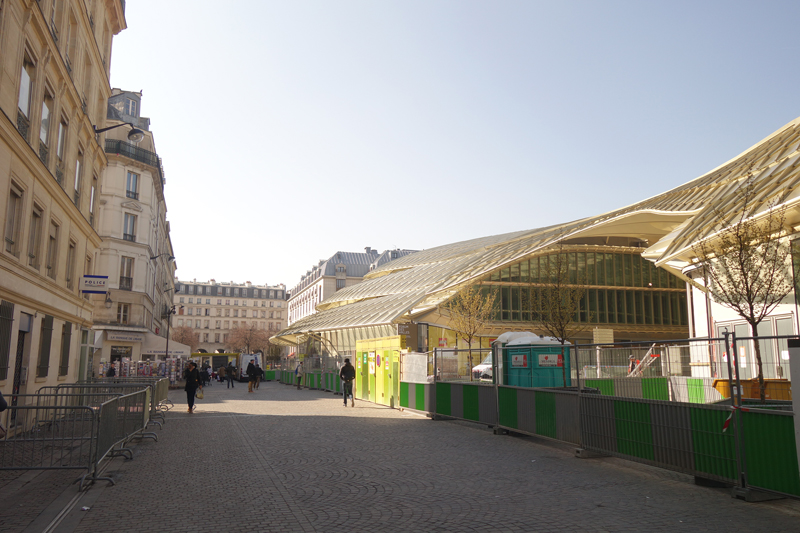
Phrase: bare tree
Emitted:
{"points": [[187, 336], [557, 299], [247, 339], [747, 262], [470, 309]]}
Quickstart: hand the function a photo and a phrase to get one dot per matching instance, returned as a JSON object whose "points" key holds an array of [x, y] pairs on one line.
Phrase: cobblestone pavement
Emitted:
{"points": [[280, 459]]}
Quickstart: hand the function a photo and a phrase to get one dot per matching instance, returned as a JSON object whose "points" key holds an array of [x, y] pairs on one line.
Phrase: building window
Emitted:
{"points": [[43, 364], [205, 337], [76, 197], [208, 312], [132, 186], [51, 261], [271, 314], [236, 293], [197, 324], [180, 299], [216, 337], [13, 220], [205, 324], [199, 291], [66, 341], [340, 283], [219, 312], [191, 289], [227, 291], [180, 323], [217, 324], [126, 274], [91, 200], [129, 229], [225, 324], [44, 127], [62, 139], [227, 302], [130, 107], [123, 311], [227, 312], [208, 301], [25, 96], [219, 302], [70, 275], [235, 312], [35, 237]]}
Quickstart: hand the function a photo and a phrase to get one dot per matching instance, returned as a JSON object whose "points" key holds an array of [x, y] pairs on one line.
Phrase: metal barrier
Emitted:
{"points": [[466, 401], [159, 390], [45, 431]]}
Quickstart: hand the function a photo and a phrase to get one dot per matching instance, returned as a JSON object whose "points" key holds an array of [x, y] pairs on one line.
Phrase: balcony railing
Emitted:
{"points": [[132, 194], [60, 174], [43, 152], [23, 124], [147, 157], [129, 237], [125, 284]]}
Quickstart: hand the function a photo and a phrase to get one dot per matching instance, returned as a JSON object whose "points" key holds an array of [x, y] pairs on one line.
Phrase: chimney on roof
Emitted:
{"points": [[368, 249]]}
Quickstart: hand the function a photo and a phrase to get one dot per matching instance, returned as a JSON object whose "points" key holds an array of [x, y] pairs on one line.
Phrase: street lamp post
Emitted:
{"points": [[135, 135]]}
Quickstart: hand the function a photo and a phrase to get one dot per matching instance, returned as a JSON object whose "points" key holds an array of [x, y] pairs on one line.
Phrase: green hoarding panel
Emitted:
{"points": [[769, 443], [655, 389], [443, 406], [471, 410], [508, 407], [714, 451], [697, 391], [634, 432], [546, 414], [606, 386], [404, 395], [419, 397]]}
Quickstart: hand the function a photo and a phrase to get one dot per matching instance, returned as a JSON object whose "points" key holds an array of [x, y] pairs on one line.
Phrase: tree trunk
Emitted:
{"points": [[762, 387], [470, 361], [563, 365]]}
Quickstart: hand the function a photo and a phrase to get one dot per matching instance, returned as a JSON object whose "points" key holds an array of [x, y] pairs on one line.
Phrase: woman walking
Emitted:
{"points": [[192, 377]]}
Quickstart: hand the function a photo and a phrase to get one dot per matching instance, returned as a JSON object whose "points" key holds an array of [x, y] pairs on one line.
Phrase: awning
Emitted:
{"points": [[155, 345]]}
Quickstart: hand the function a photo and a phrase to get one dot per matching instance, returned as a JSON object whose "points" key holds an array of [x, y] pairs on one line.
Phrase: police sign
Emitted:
{"points": [[94, 284]]}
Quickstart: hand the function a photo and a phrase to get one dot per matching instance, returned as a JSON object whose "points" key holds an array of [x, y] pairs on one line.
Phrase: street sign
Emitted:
{"points": [[94, 284]]}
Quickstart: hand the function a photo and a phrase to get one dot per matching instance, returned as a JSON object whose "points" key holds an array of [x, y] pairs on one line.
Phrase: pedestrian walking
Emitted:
{"points": [[221, 374], [192, 378], [259, 374], [251, 375], [347, 375], [229, 374], [298, 372], [210, 372]]}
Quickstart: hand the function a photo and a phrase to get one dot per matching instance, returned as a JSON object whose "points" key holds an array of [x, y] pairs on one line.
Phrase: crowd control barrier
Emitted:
{"points": [[51, 431]]}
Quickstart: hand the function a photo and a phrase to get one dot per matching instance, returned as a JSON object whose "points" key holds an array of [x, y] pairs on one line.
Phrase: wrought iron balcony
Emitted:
{"points": [[125, 284], [132, 194], [23, 124], [147, 157], [60, 174], [43, 152], [129, 237]]}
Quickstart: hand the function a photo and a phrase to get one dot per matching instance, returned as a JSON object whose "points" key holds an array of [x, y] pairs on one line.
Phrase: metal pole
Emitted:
{"points": [[741, 455], [730, 371]]}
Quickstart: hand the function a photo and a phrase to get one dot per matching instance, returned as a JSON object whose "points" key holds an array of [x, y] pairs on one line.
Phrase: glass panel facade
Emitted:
{"points": [[646, 295]]}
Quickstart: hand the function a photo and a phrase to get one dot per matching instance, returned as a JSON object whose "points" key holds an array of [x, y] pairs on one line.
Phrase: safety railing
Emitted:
{"points": [[159, 391], [47, 431]]}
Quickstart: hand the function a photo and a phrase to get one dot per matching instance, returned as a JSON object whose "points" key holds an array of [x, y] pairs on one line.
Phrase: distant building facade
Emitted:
{"points": [[342, 269], [136, 250], [55, 61], [212, 309]]}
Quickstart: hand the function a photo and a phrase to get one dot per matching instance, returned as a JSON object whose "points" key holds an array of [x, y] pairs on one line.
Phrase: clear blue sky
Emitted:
{"points": [[293, 129]]}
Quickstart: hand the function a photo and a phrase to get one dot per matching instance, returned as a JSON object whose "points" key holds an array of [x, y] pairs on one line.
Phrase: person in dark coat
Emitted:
{"points": [[251, 375], [229, 373], [192, 377], [347, 375], [111, 372]]}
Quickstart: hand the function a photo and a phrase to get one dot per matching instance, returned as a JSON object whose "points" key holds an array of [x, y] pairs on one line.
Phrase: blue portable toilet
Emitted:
{"points": [[533, 361]]}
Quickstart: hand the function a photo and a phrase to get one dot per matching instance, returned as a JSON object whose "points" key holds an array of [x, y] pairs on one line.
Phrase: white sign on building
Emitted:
{"points": [[94, 284]]}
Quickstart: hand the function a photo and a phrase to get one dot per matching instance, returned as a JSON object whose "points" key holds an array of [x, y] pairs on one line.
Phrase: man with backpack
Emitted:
{"points": [[347, 375]]}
